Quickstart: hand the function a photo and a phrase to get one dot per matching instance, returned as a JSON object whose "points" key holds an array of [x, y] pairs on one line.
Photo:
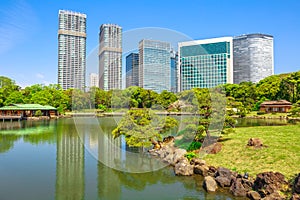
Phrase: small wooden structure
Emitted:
{"points": [[21, 111], [281, 106]]}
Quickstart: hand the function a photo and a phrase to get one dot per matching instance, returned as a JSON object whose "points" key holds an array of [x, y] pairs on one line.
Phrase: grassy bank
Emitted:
{"points": [[282, 153]]}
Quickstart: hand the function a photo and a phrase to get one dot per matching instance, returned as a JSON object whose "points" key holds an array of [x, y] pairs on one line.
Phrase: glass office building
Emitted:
{"points": [[132, 70], [155, 65], [205, 63], [253, 57], [71, 49], [174, 57], [110, 57]]}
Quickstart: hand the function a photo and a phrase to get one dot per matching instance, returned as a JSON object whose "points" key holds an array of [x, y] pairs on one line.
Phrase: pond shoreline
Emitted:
{"points": [[266, 185]]}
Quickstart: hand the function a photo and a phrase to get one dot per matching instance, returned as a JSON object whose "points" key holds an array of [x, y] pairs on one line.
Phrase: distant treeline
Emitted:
{"points": [[245, 96]]}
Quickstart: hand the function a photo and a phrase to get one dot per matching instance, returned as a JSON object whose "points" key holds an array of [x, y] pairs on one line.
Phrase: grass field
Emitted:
{"points": [[282, 153]]}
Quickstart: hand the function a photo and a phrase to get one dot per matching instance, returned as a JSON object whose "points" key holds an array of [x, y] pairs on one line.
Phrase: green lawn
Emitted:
{"points": [[282, 153]]}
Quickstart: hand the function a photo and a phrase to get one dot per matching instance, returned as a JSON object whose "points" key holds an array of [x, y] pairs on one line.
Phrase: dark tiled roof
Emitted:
{"points": [[280, 102]]}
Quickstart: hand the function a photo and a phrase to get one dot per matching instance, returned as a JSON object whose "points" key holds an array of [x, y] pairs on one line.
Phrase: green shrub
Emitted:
{"points": [[194, 146], [228, 131], [190, 155], [38, 113], [261, 113]]}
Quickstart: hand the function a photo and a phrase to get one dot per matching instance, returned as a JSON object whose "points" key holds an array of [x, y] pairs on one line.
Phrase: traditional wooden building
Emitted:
{"points": [[280, 106], [20, 111]]}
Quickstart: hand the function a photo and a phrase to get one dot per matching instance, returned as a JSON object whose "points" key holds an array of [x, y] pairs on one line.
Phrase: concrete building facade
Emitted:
{"points": [[110, 57], [71, 49], [253, 57]]}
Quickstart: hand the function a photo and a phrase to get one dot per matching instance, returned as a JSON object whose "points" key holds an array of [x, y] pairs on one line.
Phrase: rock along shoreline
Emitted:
{"points": [[266, 185]]}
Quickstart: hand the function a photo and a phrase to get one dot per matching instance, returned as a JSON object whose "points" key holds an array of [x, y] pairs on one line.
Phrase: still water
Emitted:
{"points": [[48, 160]]}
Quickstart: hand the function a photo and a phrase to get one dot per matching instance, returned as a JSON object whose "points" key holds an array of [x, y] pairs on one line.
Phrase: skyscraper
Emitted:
{"points": [[253, 57], [71, 49], [110, 57], [132, 70], [174, 58], [205, 63], [155, 66], [94, 80]]}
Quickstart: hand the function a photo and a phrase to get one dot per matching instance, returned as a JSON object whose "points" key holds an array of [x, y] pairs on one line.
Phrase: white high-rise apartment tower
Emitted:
{"points": [[71, 49], [110, 57], [94, 80]]}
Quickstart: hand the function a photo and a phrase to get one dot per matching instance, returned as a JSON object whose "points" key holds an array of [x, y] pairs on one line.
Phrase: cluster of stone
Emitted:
{"points": [[266, 186]]}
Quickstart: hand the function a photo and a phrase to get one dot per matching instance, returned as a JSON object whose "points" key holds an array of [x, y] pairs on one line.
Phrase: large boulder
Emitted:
{"points": [[168, 140], [267, 183], [212, 148], [212, 171], [198, 161], [223, 177], [253, 195], [255, 142], [216, 148], [295, 197], [296, 186], [178, 154], [223, 181], [210, 184], [169, 159], [184, 168], [274, 196], [222, 171], [201, 169], [237, 188]]}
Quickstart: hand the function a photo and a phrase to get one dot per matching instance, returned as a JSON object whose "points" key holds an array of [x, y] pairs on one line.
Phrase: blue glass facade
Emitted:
{"points": [[205, 63], [155, 62], [132, 67], [173, 61]]}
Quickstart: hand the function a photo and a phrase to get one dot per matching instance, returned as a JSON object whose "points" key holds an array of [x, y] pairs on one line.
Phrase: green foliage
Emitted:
{"points": [[227, 131], [38, 113], [190, 155], [194, 146], [102, 107], [261, 113], [166, 98], [141, 127], [295, 110]]}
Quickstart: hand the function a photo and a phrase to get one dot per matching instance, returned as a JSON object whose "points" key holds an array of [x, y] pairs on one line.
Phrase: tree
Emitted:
{"points": [[290, 87], [268, 88], [14, 97], [142, 127], [165, 98], [7, 86]]}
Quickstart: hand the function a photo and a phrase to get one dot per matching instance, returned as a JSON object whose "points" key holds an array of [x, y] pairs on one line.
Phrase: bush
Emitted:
{"points": [[190, 155], [194, 146], [226, 131], [38, 113], [261, 113]]}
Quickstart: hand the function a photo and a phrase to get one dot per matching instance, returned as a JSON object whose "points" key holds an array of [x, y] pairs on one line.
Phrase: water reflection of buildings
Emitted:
{"points": [[109, 152], [69, 165]]}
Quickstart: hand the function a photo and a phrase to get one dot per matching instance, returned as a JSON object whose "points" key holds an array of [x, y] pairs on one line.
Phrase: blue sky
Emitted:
{"points": [[28, 29]]}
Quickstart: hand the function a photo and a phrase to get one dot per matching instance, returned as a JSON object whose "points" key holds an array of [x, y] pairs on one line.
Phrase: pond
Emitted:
{"points": [[57, 160], [248, 122]]}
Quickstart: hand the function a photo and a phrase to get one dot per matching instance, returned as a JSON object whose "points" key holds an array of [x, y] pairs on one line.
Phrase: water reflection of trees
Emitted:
{"points": [[34, 132], [7, 142]]}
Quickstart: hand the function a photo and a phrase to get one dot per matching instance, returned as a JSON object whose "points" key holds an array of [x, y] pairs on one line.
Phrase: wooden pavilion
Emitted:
{"points": [[281, 106], [21, 111]]}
